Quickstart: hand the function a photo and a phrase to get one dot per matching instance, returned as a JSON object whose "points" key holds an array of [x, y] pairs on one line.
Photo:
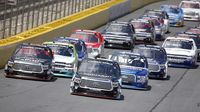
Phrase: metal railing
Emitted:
{"points": [[27, 14]]}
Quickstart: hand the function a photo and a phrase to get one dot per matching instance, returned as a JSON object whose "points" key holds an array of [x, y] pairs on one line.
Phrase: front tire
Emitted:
{"points": [[117, 93], [7, 70], [73, 89], [118, 96]]}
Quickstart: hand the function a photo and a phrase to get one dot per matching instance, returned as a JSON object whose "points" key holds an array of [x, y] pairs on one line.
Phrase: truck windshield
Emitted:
{"points": [[85, 37], [128, 60], [152, 54], [62, 50], [97, 68], [33, 52], [175, 43]]}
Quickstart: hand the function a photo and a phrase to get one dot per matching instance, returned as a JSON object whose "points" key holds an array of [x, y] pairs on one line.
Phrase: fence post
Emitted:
{"points": [[79, 5], [4, 19], [28, 14], [52, 5], [47, 16], [10, 22], [65, 8], [43, 15]]}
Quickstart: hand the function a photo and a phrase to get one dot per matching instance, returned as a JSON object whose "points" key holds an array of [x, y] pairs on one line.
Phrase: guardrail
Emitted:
{"points": [[88, 19]]}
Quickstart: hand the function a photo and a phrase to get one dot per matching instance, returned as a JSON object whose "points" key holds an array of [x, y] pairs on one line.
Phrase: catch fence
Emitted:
{"points": [[17, 16]]}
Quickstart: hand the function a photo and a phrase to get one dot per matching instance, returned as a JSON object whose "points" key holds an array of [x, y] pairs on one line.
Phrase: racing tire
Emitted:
{"points": [[165, 77], [7, 74], [98, 56], [118, 95], [148, 88], [72, 90], [7, 71], [194, 65], [198, 57]]}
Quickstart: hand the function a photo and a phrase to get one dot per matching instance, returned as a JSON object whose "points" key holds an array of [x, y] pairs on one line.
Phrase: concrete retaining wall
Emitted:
{"points": [[120, 9], [88, 19]]}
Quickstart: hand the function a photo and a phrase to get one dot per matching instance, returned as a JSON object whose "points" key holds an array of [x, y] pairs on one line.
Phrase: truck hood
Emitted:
{"points": [[120, 37], [140, 33], [140, 30], [33, 61], [117, 35], [174, 16], [58, 58], [152, 61], [126, 70], [178, 51], [191, 10], [96, 76], [93, 45]]}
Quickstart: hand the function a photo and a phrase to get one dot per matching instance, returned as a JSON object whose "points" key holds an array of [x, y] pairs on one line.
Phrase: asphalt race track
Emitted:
{"points": [[181, 93]]}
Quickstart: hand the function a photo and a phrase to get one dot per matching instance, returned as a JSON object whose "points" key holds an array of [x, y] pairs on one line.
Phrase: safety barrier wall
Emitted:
{"points": [[87, 19], [120, 9]]}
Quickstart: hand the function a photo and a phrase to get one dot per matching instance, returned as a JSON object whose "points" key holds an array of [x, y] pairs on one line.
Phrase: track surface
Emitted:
{"points": [[179, 94]]}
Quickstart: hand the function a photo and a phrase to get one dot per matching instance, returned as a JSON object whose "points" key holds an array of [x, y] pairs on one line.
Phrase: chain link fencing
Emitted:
{"points": [[17, 16]]}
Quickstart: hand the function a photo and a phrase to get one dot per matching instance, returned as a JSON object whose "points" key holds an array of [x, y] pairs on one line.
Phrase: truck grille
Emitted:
{"points": [[176, 59], [154, 68], [115, 41], [96, 84], [59, 65], [27, 67], [190, 13], [128, 78]]}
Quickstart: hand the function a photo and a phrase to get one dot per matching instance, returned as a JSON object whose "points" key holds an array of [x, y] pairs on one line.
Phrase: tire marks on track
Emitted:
{"points": [[166, 95]]}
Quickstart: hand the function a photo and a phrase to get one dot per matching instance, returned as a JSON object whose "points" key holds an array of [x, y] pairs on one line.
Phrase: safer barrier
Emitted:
{"points": [[87, 19], [120, 9]]}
